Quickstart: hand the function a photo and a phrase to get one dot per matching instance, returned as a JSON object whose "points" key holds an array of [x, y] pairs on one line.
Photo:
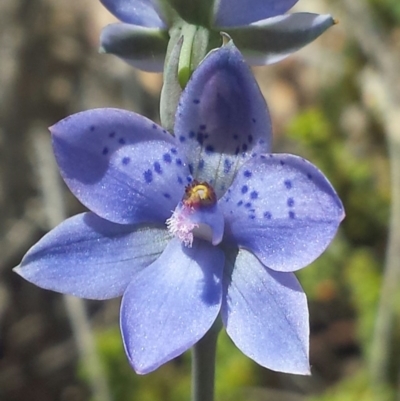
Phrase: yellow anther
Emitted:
{"points": [[199, 194]]}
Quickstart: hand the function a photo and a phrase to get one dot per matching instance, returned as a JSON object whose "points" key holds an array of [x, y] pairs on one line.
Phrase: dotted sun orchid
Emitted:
{"points": [[190, 228], [261, 29]]}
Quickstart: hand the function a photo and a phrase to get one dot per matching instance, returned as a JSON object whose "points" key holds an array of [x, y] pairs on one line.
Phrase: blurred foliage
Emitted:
{"points": [[388, 10], [354, 388]]}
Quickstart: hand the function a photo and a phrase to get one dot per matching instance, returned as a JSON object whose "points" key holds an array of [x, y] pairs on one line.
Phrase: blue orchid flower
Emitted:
{"points": [[191, 227], [259, 28]]}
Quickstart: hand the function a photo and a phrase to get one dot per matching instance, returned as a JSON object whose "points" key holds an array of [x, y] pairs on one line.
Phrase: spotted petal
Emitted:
{"points": [[221, 118], [171, 304], [120, 165], [137, 12], [283, 209], [273, 39], [265, 314], [142, 47], [240, 12], [90, 257]]}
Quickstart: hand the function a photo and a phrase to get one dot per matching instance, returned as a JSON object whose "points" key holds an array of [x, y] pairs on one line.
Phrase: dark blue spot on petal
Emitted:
{"points": [[203, 127], [261, 141], [196, 101], [178, 162], [209, 148], [191, 168], [192, 134], [252, 216], [282, 163], [244, 147], [105, 151], [290, 202], [167, 158], [254, 120], [240, 203], [174, 151], [288, 184], [237, 151], [200, 138], [157, 167], [247, 173], [121, 141], [247, 205], [148, 176], [291, 215], [92, 128], [236, 136], [189, 178], [245, 188], [267, 215], [165, 131], [154, 126], [254, 195], [201, 164], [250, 138], [126, 160], [166, 195], [182, 138], [309, 176], [227, 166], [111, 134], [180, 181]]}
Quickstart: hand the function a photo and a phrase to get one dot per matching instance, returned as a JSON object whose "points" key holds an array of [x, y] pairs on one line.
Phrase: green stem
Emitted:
{"points": [[203, 365]]}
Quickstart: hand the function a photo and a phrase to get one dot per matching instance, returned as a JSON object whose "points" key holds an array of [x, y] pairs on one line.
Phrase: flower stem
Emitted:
{"points": [[203, 365]]}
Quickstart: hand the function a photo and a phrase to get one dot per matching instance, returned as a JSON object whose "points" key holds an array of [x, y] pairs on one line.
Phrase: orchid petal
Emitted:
{"points": [[137, 12], [273, 39], [239, 12], [142, 47], [265, 314], [89, 257], [221, 118], [171, 304], [283, 209], [120, 165]]}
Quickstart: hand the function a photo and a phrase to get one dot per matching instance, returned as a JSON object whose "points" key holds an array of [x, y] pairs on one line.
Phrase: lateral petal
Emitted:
{"points": [[271, 40], [120, 165], [265, 314], [93, 258], [239, 12], [137, 12], [142, 47], [283, 209]]}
